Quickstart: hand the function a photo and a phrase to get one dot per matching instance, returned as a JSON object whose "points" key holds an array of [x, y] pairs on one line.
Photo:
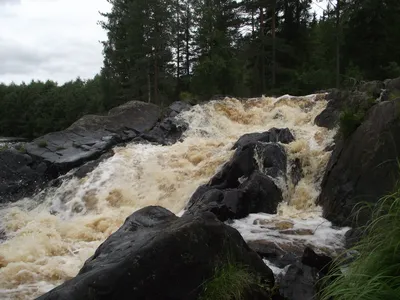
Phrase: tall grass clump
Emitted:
{"points": [[232, 281], [375, 272]]}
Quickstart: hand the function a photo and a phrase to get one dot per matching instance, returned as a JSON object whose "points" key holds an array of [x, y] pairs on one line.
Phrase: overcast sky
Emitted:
{"points": [[51, 39]]}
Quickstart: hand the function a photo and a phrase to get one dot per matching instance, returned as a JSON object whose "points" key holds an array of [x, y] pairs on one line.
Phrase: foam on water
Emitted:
{"points": [[49, 237]]}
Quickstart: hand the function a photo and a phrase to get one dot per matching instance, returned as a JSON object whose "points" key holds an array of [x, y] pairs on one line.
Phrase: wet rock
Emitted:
{"points": [[281, 254], [273, 135], [328, 118], [357, 101], [296, 171], [156, 255], [238, 203], [300, 231], [246, 183], [93, 135], [322, 263], [20, 175], [90, 166], [352, 237], [169, 129], [302, 278], [299, 282], [281, 225], [363, 167]]}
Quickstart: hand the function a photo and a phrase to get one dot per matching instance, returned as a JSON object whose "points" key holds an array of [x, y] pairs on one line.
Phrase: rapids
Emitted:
{"points": [[47, 238]]}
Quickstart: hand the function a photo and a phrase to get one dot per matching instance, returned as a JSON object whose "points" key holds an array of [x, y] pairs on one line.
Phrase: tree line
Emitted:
{"points": [[160, 51]]}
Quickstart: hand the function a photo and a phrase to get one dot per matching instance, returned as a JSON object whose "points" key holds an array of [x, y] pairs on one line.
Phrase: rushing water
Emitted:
{"points": [[49, 237]]}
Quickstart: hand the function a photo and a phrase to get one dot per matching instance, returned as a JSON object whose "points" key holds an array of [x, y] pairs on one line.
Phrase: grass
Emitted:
{"points": [[349, 121], [42, 144], [232, 281], [375, 272], [394, 95]]}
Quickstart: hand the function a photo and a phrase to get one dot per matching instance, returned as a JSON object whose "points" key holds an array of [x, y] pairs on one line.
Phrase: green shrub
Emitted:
{"points": [[375, 272], [349, 121], [3, 147], [394, 95], [42, 144], [230, 282], [187, 97]]}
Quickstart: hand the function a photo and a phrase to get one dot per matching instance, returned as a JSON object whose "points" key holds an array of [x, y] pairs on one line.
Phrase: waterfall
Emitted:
{"points": [[49, 237]]}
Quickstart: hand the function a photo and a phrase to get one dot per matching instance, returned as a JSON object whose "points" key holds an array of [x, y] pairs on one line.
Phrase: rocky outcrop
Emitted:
{"points": [[170, 129], [302, 279], [20, 175], [156, 255], [93, 135], [363, 167], [88, 140], [246, 183]]}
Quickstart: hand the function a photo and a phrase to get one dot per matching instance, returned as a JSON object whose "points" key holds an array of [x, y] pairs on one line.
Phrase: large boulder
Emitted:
{"points": [[156, 255], [302, 279], [273, 135], [20, 175], [247, 183], [93, 135], [363, 167]]}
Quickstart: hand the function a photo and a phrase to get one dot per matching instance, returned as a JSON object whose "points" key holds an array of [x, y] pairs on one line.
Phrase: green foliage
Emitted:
{"points": [[374, 274], [31, 110], [3, 147], [349, 121], [394, 95], [230, 282], [42, 143]]}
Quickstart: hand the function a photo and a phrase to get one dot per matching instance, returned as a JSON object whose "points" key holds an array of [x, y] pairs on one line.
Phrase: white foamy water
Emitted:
{"points": [[49, 237]]}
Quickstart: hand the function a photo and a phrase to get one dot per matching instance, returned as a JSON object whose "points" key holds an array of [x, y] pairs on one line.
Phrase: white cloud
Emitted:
{"points": [[50, 39]]}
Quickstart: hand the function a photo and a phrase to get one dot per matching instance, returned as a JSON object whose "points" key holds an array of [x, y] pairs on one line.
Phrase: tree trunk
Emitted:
{"points": [[155, 78], [273, 44], [262, 50], [148, 87], [338, 44], [187, 38]]}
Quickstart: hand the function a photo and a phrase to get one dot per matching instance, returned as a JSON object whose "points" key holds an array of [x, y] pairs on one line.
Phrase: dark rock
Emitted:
{"points": [[328, 118], [358, 100], [93, 135], [352, 237], [249, 197], [20, 175], [245, 184], [170, 129], [393, 84], [299, 282], [296, 171], [373, 88], [271, 157], [90, 166], [178, 107], [156, 255], [363, 167], [273, 135], [279, 254], [260, 194], [322, 263], [240, 187]]}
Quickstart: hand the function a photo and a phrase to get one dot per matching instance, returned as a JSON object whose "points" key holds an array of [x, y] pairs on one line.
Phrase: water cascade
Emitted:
{"points": [[48, 237]]}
